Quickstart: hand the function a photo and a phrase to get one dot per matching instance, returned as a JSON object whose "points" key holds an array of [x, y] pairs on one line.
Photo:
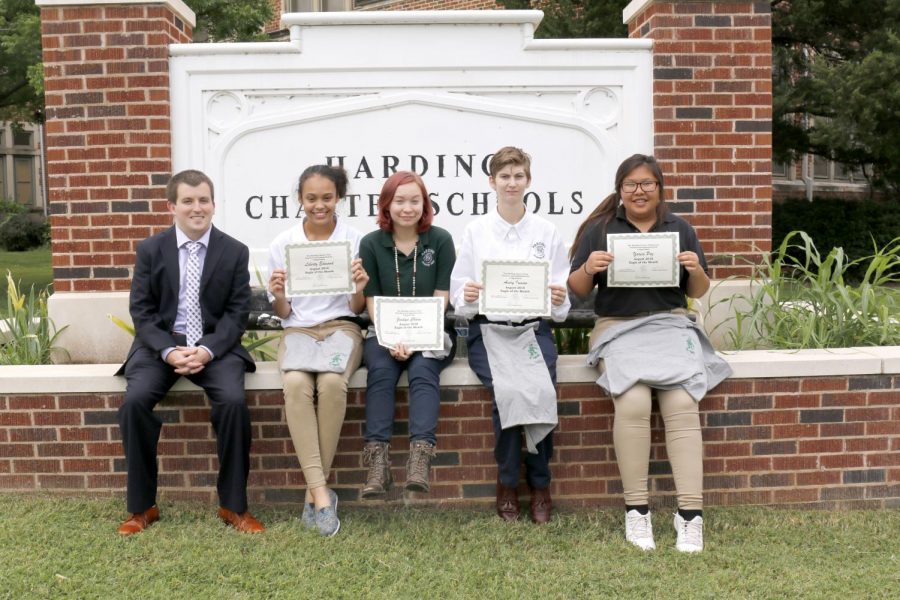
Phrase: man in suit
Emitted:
{"points": [[189, 302]]}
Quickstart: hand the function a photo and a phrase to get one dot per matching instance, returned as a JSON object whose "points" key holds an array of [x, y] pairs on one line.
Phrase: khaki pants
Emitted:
{"points": [[631, 436], [315, 430]]}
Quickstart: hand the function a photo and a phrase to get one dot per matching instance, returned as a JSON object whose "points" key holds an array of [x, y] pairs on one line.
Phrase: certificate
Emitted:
{"points": [[317, 268], [417, 323], [515, 287], [643, 259]]}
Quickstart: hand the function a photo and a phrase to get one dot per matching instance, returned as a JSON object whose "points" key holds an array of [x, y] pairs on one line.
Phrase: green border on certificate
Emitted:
{"points": [[331, 261], [643, 259], [417, 323], [524, 290]]}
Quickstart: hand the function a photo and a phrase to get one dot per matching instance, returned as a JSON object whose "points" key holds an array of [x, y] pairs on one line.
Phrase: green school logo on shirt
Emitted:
{"points": [[533, 352], [690, 346], [336, 359]]}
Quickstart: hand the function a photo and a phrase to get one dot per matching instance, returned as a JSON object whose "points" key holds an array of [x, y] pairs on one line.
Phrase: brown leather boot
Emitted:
{"points": [[541, 506], [507, 502], [418, 466], [378, 479]]}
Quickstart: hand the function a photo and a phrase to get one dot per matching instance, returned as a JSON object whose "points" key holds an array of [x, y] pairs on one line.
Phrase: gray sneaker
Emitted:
{"points": [[326, 518], [308, 518]]}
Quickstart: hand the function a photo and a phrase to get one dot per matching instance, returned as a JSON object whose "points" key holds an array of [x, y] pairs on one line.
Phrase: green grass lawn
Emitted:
{"points": [[31, 267], [53, 547]]}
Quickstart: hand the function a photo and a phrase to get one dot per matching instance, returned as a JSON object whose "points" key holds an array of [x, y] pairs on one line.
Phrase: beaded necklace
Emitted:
{"points": [[397, 267]]}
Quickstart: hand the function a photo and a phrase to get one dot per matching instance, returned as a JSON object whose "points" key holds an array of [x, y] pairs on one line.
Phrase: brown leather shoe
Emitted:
{"points": [[137, 522], [507, 502], [243, 522], [541, 506]]}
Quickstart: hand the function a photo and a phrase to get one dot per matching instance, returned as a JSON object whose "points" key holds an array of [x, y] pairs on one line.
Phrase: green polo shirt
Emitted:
{"points": [[435, 255]]}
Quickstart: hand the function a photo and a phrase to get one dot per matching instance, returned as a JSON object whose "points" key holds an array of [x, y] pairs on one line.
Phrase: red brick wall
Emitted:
{"points": [[712, 118], [106, 74], [818, 442]]}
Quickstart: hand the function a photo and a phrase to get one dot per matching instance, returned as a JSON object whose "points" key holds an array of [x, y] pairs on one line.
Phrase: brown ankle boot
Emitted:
{"points": [[418, 466], [378, 479]]}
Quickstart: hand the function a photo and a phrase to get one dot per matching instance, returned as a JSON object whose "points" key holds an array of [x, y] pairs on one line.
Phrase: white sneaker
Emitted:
{"points": [[690, 534], [639, 530]]}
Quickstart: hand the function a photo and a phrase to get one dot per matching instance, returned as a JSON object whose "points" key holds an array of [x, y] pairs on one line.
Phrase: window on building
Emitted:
{"points": [[22, 138], [361, 3], [842, 172], [780, 170], [821, 168], [23, 169], [316, 5]]}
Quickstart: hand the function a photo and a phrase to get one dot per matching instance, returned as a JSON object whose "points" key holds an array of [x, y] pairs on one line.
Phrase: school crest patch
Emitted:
{"points": [[539, 250], [428, 257]]}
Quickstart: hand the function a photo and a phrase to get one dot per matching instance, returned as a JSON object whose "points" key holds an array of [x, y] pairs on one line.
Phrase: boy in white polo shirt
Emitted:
{"points": [[505, 348]]}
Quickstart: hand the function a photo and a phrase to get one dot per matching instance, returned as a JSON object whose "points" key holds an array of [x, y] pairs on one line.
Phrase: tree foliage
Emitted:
{"points": [[232, 20], [837, 83], [576, 18], [21, 70]]}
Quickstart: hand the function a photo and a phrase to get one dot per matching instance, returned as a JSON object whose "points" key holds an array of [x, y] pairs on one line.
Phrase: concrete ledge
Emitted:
{"points": [[748, 364]]}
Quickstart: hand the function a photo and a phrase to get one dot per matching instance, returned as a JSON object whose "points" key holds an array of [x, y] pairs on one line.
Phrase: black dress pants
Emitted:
{"points": [[149, 379]]}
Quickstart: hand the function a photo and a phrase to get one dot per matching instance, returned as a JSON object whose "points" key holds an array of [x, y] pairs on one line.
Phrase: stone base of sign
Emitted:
{"points": [[89, 336]]}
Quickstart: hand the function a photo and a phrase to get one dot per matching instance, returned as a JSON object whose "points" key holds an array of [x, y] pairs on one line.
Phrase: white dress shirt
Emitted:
{"points": [[492, 238], [180, 325], [307, 311]]}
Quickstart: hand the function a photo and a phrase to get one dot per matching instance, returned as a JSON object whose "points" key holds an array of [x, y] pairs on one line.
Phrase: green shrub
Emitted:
{"points": [[854, 225], [799, 299], [28, 336], [19, 233]]}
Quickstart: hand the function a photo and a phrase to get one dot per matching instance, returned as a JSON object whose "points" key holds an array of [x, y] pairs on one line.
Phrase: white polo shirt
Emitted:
{"points": [[491, 237], [307, 311]]}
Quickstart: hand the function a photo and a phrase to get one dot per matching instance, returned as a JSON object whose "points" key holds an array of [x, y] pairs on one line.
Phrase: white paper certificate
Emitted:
{"points": [[515, 287], [316, 268], [643, 259], [417, 323]]}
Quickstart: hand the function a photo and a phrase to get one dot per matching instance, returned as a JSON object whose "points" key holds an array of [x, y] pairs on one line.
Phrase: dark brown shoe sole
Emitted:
{"points": [[414, 486], [376, 494]]}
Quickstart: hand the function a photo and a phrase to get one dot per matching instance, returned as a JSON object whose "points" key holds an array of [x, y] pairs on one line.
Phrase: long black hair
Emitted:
{"points": [[606, 210]]}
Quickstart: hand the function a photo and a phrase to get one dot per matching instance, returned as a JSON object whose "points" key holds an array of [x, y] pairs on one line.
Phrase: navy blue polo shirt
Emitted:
{"points": [[627, 302]]}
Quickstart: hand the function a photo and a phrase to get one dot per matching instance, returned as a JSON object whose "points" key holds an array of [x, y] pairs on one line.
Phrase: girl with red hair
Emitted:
{"points": [[407, 256]]}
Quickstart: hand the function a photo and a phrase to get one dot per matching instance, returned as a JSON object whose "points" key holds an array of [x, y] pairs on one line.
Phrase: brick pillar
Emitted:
{"points": [[106, 79], [712, 103], [109, 156]]}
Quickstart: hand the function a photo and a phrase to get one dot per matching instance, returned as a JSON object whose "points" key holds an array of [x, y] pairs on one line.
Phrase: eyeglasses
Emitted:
{"points": [[648, 186]]}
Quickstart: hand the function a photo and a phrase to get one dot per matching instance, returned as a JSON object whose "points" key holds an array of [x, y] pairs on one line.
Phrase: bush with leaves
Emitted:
{"points": [[18, 232], [28, 336], [800, 299], [854, 225]]}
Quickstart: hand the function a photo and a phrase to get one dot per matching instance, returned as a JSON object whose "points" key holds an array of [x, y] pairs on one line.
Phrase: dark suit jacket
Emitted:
{"points": [[224, 295]]}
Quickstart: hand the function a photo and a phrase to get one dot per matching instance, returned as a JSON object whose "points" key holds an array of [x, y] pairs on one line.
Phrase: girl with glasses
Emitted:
{"points": [[645, 341]]}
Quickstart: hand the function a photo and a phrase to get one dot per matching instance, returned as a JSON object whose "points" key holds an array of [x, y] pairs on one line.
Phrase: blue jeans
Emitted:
{"points": [[508, 442], [381, 390]]}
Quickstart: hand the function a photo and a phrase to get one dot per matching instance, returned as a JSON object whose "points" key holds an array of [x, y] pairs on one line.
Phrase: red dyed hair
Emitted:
{"points": [[387, 196]]}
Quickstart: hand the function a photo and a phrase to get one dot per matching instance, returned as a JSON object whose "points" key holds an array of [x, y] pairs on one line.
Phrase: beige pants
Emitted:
{"points": [[315, 433], [631, 437]]}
